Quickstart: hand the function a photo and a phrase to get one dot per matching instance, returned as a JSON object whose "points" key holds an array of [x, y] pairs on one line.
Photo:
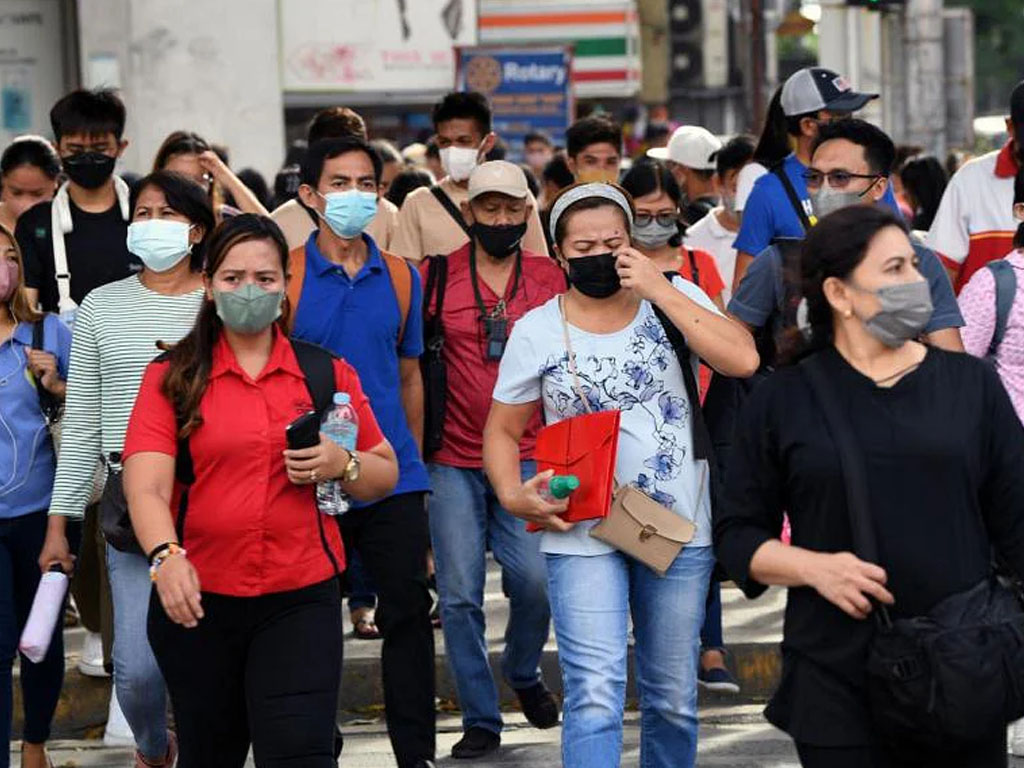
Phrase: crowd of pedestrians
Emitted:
{"points": [[761, 338]]}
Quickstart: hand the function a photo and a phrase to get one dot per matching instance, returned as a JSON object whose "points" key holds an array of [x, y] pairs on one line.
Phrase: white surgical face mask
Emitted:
{"points": [[161, 244], [459, 162]]}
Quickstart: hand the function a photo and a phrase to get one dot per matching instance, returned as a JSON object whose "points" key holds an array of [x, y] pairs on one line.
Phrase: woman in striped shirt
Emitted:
{"points": [[116, 334]]}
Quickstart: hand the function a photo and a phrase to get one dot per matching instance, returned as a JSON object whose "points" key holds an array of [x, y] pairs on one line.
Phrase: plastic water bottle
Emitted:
{"points": [[560, 487], [47, 609], [341, 424]]}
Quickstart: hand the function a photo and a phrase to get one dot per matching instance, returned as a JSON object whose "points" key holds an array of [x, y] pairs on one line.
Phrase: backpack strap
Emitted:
{"points": [[317, 365], [297, 275], [401, 280], [1006, 290], [49, 404], [694, 269], [434, 290], [449, 206], [779, 169]]}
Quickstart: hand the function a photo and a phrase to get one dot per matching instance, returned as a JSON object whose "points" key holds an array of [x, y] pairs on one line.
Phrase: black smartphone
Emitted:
{"points": [[304, 432]]}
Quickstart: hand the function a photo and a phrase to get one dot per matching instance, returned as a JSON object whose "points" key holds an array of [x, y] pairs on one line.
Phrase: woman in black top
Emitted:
{"points": [[944, 456]]}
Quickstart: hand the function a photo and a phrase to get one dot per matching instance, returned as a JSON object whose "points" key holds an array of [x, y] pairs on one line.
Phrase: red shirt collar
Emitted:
{"points": [[1006, 162], [282, 357]]}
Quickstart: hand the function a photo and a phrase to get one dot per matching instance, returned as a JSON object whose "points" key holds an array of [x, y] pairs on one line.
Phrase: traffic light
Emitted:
{"points": [[876, 5]]}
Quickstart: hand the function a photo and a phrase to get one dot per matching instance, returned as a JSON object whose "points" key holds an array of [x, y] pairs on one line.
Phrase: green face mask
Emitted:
{"points": [[248, 309]]}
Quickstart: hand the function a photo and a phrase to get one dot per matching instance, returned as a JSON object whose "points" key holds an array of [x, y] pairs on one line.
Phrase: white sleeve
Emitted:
{"points": [[748, 176], [950, 232], [519, 374], [695, 293]]}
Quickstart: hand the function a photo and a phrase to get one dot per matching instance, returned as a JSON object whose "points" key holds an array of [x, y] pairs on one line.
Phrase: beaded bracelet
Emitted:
{"points": [[160, 556]]}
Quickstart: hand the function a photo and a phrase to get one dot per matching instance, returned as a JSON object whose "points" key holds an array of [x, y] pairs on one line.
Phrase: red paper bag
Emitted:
{"points": [[585, 446]]}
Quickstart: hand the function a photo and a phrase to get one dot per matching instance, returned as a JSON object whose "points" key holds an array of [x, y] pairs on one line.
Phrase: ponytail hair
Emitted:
{"points": [[191, 359], [835, 247]]}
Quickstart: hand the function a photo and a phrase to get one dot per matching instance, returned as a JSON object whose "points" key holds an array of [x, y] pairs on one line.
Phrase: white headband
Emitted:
{"points": [[583, 192]]}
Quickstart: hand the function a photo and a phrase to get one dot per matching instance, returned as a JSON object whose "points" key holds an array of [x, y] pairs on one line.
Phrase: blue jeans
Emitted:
{"points": [[140, 686], [464, 517], [591, 598], [711, 633], [21, 540]]}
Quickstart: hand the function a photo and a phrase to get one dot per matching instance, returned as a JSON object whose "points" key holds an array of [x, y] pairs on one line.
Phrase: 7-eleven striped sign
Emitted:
{"points": [[605, 37]]}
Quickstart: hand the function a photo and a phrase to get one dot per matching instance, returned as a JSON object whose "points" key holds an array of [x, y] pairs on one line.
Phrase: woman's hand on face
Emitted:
{"points": [[528, 504], [211, 163], [848, 582], [309, 466], [43, 366], [177, 584], [641, 275]]}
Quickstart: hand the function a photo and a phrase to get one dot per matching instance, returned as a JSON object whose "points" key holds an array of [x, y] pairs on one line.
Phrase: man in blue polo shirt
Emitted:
{"points": [[810, 98], [850, 165], [366, 306]]}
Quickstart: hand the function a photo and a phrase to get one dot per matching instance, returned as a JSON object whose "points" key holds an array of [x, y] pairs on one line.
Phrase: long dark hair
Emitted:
{"points": [[773, 145], [834, 248], [192, 358], [186, 197], [925, 179], [179, 143]]}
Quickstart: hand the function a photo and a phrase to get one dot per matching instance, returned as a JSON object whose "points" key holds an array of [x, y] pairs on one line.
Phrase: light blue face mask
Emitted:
{"points": [[349, 213], [161, 244]]}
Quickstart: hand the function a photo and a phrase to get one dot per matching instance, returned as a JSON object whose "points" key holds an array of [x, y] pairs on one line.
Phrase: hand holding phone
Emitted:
{"points": [[304, 432]]}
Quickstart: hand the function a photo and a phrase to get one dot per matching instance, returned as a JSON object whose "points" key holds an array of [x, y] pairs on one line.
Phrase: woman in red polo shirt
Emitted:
{"points": [[246, 626]]}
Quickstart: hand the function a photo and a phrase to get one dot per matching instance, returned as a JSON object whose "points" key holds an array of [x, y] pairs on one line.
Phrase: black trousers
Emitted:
{"points": [[988, 754], [392, 538], [21, 541], [264, 670]]}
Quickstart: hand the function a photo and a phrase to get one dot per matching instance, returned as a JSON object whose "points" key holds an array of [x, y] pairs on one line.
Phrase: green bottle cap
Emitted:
{"points": [[560, 486]]}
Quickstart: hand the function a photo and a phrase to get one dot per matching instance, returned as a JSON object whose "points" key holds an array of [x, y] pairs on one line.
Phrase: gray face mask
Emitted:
{"points": [[827, 200], [653, 234], [906, 310]]}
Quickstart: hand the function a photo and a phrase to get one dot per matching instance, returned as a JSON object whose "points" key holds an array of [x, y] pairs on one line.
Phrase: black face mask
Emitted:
{"points": [[595, 276], [500, 241], [89, 169]]}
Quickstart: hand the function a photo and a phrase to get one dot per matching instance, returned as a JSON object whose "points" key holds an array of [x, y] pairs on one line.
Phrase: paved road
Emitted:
{"points": [[736, 737]]}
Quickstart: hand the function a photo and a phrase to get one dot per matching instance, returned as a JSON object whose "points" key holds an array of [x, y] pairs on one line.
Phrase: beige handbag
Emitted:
{"points": [[637, 524]]}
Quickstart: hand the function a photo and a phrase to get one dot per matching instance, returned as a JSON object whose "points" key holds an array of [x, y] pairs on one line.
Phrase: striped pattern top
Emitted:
{"points": [[605, 37], [115, 337]]}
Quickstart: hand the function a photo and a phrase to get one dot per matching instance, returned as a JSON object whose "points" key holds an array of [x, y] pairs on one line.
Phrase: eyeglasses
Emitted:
{"points": [[836, 179], [664, 219]]}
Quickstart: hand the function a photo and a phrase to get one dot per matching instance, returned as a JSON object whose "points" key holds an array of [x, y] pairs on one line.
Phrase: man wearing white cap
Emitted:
{"points": [[779, 206], [480, 291], [690, 155]]}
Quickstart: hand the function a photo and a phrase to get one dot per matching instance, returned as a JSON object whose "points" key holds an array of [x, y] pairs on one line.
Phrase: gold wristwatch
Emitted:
{"points": [[351, 473]]}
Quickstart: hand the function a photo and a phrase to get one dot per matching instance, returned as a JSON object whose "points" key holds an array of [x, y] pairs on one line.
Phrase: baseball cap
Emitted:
{"points": [[815, 88], [498, 176], [691, 146], [1017, 104]]}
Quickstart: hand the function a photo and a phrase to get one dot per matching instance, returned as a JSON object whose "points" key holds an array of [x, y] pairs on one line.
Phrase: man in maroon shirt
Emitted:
{"points": [[492, 282]]}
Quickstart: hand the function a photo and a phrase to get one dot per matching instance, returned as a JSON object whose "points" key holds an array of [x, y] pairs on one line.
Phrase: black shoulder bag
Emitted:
{"points": [[450, 208], [779, 170], [949, 678], [432, 366]]}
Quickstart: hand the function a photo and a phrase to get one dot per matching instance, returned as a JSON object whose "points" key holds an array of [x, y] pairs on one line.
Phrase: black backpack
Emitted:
{"points": [[432, 366]]}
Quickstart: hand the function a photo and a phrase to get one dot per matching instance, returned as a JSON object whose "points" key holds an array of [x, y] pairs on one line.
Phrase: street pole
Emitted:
{"points": [[757, 60], [925, 75]]}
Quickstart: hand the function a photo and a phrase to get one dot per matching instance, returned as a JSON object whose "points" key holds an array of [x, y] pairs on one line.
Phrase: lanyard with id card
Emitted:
{"points": [[496, 320]]}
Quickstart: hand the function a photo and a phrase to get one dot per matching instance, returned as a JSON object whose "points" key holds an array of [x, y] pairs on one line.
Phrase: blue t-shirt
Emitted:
{"points": [[760, 295], [769, 212], [27, 461], [359, 319]]}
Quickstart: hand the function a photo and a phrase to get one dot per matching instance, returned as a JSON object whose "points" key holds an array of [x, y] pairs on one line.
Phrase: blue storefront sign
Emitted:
{"points": [[529, 88]]}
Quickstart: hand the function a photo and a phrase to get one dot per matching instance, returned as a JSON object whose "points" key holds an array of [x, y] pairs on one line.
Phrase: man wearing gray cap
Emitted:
{"points": [[779, 206], [690, 155], [473, 297]]}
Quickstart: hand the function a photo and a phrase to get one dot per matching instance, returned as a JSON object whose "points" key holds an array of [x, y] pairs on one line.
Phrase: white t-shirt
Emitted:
{"points": [[748, 175], [633, 370], [709, 235]]}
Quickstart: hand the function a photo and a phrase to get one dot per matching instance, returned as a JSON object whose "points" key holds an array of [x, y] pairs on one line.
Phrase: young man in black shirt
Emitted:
{"points": [[77, 242]]}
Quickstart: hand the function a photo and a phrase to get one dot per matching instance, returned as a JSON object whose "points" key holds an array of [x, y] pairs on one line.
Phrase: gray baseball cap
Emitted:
{"points": [[815, 88]]}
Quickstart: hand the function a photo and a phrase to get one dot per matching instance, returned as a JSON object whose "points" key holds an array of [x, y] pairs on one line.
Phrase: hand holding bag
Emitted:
{"points": [[636, 524], [952, 677]]}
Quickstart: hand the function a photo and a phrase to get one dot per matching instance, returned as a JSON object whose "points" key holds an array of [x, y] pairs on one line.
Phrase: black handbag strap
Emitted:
{"points": [[49, 404], [694, 269], [451, 208], [851, 459], [780, 172], [437, 282]]}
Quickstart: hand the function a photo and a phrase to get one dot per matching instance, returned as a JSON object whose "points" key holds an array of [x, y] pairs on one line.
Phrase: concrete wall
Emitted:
{"points": [[210, 67]]}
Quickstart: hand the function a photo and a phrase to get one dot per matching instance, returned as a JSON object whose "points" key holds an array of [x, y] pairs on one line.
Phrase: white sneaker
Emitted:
{"points": [[118, 733], [91, 661], [1015, 738]]}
